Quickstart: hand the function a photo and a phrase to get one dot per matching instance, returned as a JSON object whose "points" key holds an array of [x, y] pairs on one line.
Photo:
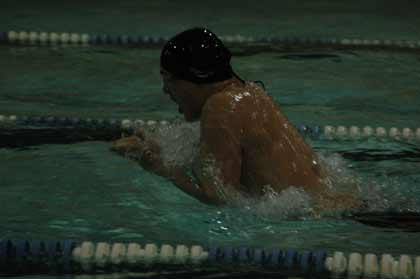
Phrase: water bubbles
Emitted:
{"points": [[291, 203], [179, 142], [339, 179]]}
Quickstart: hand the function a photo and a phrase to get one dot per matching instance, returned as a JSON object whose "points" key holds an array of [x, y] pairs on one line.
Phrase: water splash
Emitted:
{"points": [[340, 179], [179, 144], [291, 203], [389, 196], [377, 195]]}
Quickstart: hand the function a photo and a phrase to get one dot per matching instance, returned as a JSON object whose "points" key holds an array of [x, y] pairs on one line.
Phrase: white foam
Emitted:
{"points": [[291, 203], [178, 142]]}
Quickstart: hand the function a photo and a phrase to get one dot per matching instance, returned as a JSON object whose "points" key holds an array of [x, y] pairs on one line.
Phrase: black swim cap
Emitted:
{"points": [[197, 55]]}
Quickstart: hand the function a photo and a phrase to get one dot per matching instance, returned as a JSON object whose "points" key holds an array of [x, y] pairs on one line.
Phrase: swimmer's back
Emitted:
{"points": [[273, 152]]}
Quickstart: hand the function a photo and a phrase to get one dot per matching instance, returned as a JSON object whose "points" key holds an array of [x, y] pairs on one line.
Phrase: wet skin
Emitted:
{"points": [[244, 137]]}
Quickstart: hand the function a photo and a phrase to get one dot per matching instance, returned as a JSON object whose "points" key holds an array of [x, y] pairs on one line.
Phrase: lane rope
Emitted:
{"points": [[83, 39], [70, 257], [328, 132]]}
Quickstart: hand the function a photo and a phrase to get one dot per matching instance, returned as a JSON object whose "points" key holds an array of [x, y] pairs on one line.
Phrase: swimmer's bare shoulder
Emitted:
{"points": [[229, 102], [220, 150], [219, 110]]}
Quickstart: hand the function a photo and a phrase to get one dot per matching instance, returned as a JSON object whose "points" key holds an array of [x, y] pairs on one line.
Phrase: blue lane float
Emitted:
{"points": [[306, 261], [276, 257], [290, 258], [3, 37], [319, 260]]}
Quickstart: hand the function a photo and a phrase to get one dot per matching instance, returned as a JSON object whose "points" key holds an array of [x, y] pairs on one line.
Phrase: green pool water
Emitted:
{"points": [[83, 191]]}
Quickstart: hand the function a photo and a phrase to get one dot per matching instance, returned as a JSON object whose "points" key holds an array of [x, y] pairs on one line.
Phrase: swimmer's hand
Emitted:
{"points": [[145, 152]]}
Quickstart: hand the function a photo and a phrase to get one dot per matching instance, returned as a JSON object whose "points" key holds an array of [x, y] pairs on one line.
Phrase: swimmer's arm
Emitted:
{"points": [[220, 158], [148, 156], [191, 186], [220, 161], [219, 167]]}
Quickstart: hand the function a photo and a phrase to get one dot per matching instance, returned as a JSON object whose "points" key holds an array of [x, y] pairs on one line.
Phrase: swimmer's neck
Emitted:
{"points": [[198, 94], [221, 86]]}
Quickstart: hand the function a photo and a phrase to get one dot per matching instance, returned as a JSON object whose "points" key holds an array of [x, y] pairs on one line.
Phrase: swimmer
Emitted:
{"points": [[246, 143]]}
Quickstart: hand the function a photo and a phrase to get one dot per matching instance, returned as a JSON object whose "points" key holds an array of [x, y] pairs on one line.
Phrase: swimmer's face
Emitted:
{"points": [[168, 84], [181, 93]]}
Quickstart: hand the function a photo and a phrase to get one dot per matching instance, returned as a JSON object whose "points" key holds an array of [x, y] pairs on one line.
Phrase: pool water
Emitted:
{"points": [[83, 191]]}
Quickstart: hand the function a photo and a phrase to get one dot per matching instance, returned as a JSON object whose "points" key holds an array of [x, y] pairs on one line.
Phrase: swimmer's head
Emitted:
{"points": [[197, 55], [193, 63]]}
